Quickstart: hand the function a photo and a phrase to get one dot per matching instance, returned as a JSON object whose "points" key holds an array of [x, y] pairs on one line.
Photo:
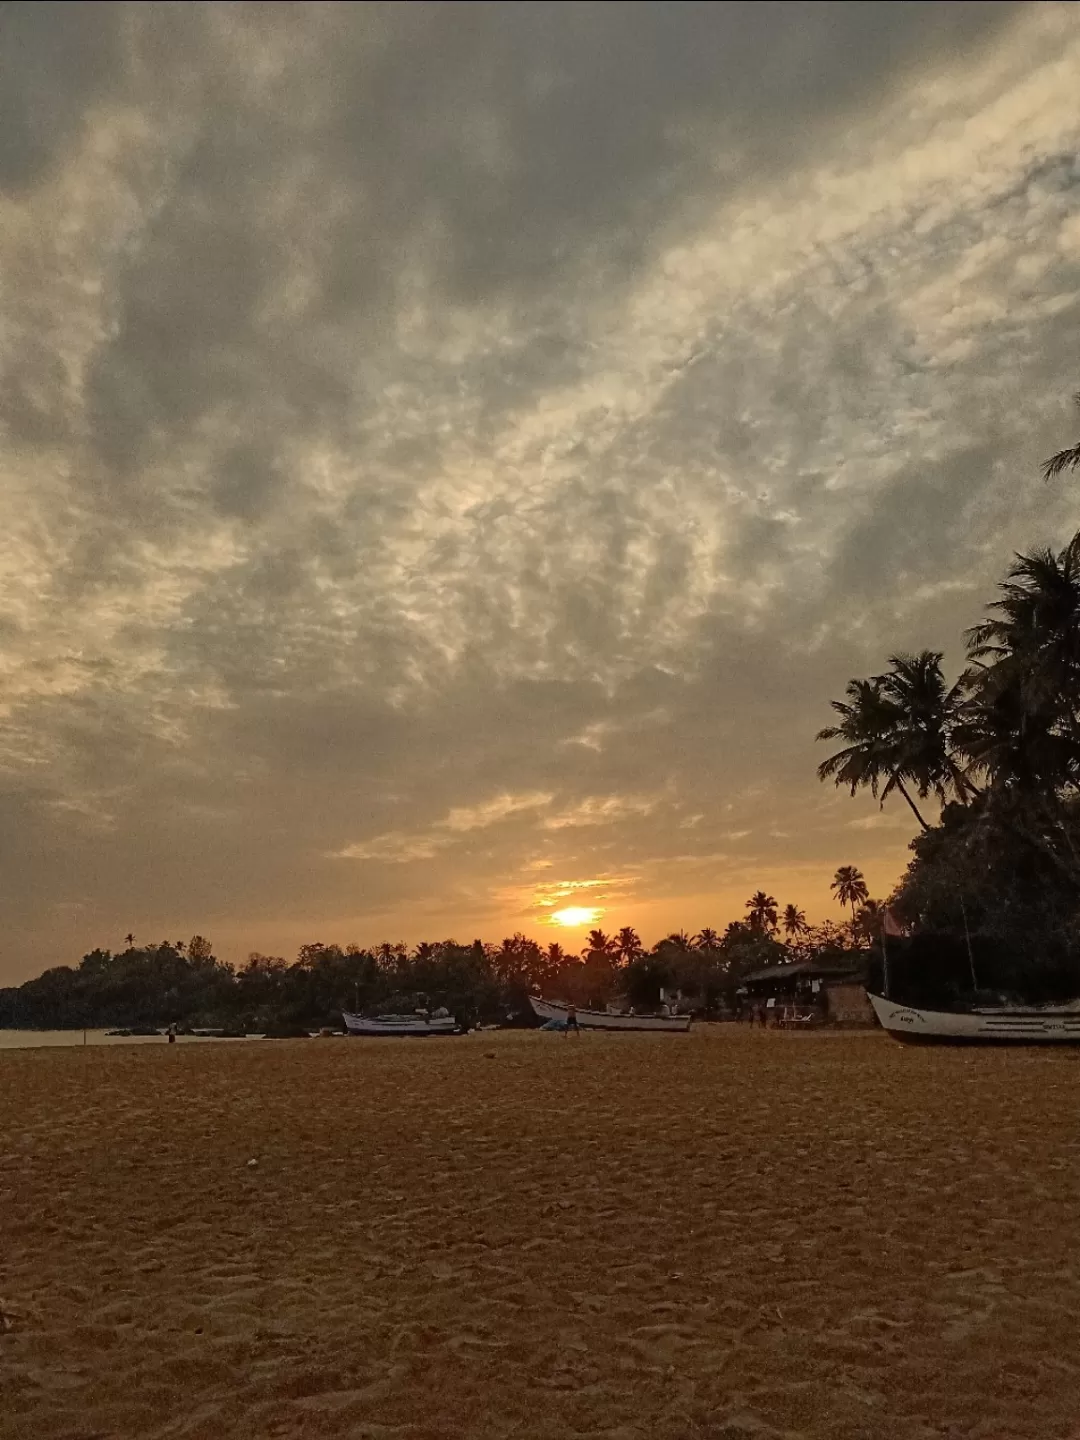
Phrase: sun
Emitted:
{"points": [[574, 915]]}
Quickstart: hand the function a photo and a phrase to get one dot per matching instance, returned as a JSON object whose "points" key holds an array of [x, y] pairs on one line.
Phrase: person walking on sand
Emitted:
{"points": [[171, 1032], [571, 1020]]}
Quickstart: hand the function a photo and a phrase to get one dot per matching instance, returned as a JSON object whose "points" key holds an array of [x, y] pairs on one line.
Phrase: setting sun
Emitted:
{"points": [[574, 915]]}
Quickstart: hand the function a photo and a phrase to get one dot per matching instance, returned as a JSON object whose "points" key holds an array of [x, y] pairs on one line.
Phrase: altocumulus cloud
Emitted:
{"points": [[484, 437]]}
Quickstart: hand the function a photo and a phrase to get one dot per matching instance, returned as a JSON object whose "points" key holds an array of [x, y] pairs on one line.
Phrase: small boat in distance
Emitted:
{"points": [[399, 1024], [983, 1025], [607, 1019]]}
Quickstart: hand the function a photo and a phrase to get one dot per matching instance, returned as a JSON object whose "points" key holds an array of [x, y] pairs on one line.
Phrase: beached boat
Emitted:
{"points": [[607, 1019], [399, 1024], [981, 1025]]}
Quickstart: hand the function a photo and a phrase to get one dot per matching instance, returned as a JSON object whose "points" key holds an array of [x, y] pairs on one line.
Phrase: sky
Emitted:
{"points": [[451, 455]]}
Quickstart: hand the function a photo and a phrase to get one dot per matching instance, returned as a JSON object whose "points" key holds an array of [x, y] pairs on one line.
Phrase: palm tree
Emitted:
{"points": [[869, 920], [597, 943], [1007, 743], [707, 940], [898, 727], [761, 913], [1021, 724], [868, 726], [679, 940], [1064, 459], [928, 710], [627, 945], [794, 922], [1022, 720], [850, 889], [129, 939]]}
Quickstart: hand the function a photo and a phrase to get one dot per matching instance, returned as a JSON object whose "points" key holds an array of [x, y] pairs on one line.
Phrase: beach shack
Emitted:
{"points": [[807, 993]]}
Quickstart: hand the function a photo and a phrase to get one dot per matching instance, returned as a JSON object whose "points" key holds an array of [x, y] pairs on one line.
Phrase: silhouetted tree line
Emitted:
{"points": [[185, 984]]}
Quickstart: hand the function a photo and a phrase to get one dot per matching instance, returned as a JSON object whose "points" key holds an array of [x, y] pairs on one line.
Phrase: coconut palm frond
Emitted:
{"points": [[1064, 460]]}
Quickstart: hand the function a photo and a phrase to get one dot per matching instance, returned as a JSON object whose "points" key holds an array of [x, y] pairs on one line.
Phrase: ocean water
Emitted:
{"points": [[34, 1039]]}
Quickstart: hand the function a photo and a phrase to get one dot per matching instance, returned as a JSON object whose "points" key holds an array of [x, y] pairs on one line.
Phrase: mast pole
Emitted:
{"points": [[967, 938], [884, 962]]}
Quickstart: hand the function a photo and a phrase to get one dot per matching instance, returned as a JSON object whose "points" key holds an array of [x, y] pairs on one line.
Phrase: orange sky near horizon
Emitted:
{"points": [[653, 918]]}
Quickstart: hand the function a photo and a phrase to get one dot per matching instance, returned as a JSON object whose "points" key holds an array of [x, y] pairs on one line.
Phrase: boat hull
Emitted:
{"points": [[398, 1025], [602, 1020], [977, 1027]]}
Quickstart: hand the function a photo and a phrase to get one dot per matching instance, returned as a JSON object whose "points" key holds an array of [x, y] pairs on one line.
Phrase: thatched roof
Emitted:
{"points": [[807, 968]]}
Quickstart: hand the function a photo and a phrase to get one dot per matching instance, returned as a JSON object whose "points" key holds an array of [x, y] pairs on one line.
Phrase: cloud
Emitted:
{"points": [[535, 904], [883, 820], [491, 812], [601, 810], [396, 848], [54, 64], [506, 469]]}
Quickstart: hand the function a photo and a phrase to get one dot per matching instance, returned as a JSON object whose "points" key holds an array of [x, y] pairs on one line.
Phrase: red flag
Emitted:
{"points": [[893, 927]]}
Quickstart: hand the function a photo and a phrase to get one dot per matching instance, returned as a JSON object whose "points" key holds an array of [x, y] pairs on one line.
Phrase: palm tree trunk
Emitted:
{"points": [[914, 807]]}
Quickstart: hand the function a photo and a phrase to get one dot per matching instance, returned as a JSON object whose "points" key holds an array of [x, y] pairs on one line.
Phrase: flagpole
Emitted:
{"points": [[888, 926], [884, 962], [967, 937]]}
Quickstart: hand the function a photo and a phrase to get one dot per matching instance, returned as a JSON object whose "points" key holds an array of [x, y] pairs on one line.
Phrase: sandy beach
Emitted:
{"points": [[721, 1235]]}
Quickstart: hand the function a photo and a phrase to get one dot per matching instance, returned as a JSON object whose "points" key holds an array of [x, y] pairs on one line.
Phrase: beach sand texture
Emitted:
{"points": [[723, 1235]]}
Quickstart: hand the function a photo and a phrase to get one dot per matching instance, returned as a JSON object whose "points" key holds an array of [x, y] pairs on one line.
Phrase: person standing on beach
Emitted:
{"points": [[571, 1020], [171, 1032]]}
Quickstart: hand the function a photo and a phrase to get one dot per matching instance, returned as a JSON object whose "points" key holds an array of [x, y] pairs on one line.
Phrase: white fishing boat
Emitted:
{"points": [[607, 1019], [399, 1024], [985, 1025]]}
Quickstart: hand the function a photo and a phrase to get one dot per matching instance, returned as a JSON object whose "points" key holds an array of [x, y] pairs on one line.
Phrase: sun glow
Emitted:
{"points": [[574, 915]]}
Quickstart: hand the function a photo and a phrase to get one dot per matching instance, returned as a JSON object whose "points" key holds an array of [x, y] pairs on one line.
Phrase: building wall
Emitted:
{"points": [[847, 1004]]}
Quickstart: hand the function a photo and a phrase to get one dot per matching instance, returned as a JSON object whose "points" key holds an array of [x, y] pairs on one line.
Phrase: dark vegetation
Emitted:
{"points": [[174, 983], [992, 892]]}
